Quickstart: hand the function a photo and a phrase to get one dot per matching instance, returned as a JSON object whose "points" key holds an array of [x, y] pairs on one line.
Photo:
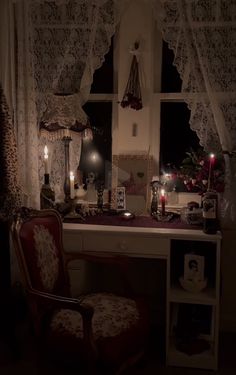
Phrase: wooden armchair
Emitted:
{"points": [[103, 330]]}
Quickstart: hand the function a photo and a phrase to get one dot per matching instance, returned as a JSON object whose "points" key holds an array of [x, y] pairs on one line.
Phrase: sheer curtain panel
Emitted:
{"points": [[56, 48], [202, 35]]}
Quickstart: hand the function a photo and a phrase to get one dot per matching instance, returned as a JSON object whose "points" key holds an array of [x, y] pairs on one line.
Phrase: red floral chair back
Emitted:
{"points": [[105, 329], [39, 245]]}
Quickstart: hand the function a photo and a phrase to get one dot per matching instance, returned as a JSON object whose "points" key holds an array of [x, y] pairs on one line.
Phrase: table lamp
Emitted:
{"points": [[65, 119]]}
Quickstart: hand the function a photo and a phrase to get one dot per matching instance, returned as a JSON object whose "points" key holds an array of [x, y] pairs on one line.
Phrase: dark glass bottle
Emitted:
{"points": [[154, 202], [47, 195], [209, 212]]}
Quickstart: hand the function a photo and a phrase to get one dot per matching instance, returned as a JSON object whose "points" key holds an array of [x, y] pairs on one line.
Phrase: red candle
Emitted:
{"points": [[163, 202], [211, 164]]}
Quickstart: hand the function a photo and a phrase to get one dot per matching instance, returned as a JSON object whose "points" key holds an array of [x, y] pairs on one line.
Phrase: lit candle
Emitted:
{"points": [[72, 185], [163, 202], [127, 214], [211, 164], [46, 160]]}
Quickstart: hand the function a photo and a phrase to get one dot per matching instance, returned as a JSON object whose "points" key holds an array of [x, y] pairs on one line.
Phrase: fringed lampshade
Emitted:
{"points": [[65, 119]]}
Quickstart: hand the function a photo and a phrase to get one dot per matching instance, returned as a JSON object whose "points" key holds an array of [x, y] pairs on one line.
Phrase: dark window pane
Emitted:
{"points": [[176, 137], [103, 77], [100, 115], [170, 79]]}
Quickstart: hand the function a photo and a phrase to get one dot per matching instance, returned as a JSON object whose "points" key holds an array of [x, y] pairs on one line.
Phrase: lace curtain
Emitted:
{"points": [[58, 45], [202, 35], [69, 41], [9, 188]]}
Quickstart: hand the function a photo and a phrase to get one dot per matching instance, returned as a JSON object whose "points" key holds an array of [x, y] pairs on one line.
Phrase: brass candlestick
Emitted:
{"points": [[67, 141], [154, 203]]}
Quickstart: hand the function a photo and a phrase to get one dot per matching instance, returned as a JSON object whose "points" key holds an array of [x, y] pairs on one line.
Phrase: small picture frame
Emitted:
{"points": [[120, 198], [194, 267]]}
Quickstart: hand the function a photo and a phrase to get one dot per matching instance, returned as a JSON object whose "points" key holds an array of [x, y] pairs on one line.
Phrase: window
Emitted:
{"points": [[103, 77], [170, 79], [96, 155], [176, 136]]}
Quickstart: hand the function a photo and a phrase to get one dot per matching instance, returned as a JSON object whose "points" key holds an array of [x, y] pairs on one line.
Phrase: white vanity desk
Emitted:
{"points": [[159, 243]]}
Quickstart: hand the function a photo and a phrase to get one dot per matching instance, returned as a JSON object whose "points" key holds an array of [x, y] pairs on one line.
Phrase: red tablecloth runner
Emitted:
{"points": [[138, 221]]}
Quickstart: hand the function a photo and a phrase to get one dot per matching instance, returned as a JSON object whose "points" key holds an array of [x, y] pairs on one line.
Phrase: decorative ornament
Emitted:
{"points": [[132, 97], [200, 172]]}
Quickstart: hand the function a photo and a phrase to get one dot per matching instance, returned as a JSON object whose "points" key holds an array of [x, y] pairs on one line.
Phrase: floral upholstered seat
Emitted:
{"points": [[105, 328], [112, 316]]}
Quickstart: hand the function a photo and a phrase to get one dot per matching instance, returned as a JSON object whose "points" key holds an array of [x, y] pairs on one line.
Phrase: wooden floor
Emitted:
{"points": [[20, 355], [28, 361]]}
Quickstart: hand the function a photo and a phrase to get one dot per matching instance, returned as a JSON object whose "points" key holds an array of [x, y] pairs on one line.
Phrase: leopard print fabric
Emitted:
{"points": [[10, 192]]}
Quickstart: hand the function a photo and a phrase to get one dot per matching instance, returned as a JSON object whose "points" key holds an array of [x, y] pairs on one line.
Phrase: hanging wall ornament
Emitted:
{"points": [[132, 97]]}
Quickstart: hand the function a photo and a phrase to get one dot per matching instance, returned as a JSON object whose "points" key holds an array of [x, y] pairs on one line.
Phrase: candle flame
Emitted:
{"points": [[212, 156], [162, 192]]}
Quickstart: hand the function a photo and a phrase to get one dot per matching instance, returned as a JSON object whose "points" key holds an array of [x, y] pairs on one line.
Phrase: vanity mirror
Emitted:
{"points": [[134, 172]]}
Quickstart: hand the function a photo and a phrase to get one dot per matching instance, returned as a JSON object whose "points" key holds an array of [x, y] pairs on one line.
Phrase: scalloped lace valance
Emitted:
{"points": [[63, 118]]}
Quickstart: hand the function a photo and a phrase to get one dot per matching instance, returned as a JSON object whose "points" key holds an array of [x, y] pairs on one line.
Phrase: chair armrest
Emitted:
{"points": [[86, 312], [63, 302]]}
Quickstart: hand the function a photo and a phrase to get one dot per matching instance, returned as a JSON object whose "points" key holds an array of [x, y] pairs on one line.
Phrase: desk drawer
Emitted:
{"points": [[72, 242], [126, 244]]}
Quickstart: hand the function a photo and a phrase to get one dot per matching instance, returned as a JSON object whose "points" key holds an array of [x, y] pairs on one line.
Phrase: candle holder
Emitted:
{"points": [[67, 141], [168, 216], [163, 202], [47, 195], [72, 210], [154, 203]]}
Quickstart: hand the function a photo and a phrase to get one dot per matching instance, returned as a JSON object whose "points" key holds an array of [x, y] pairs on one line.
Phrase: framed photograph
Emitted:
{"points": [[119, 196], [134, 172], [194, 267]]}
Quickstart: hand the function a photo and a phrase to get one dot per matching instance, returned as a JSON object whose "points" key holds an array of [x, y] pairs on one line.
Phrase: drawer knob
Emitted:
{"points": [[122, 245]]}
